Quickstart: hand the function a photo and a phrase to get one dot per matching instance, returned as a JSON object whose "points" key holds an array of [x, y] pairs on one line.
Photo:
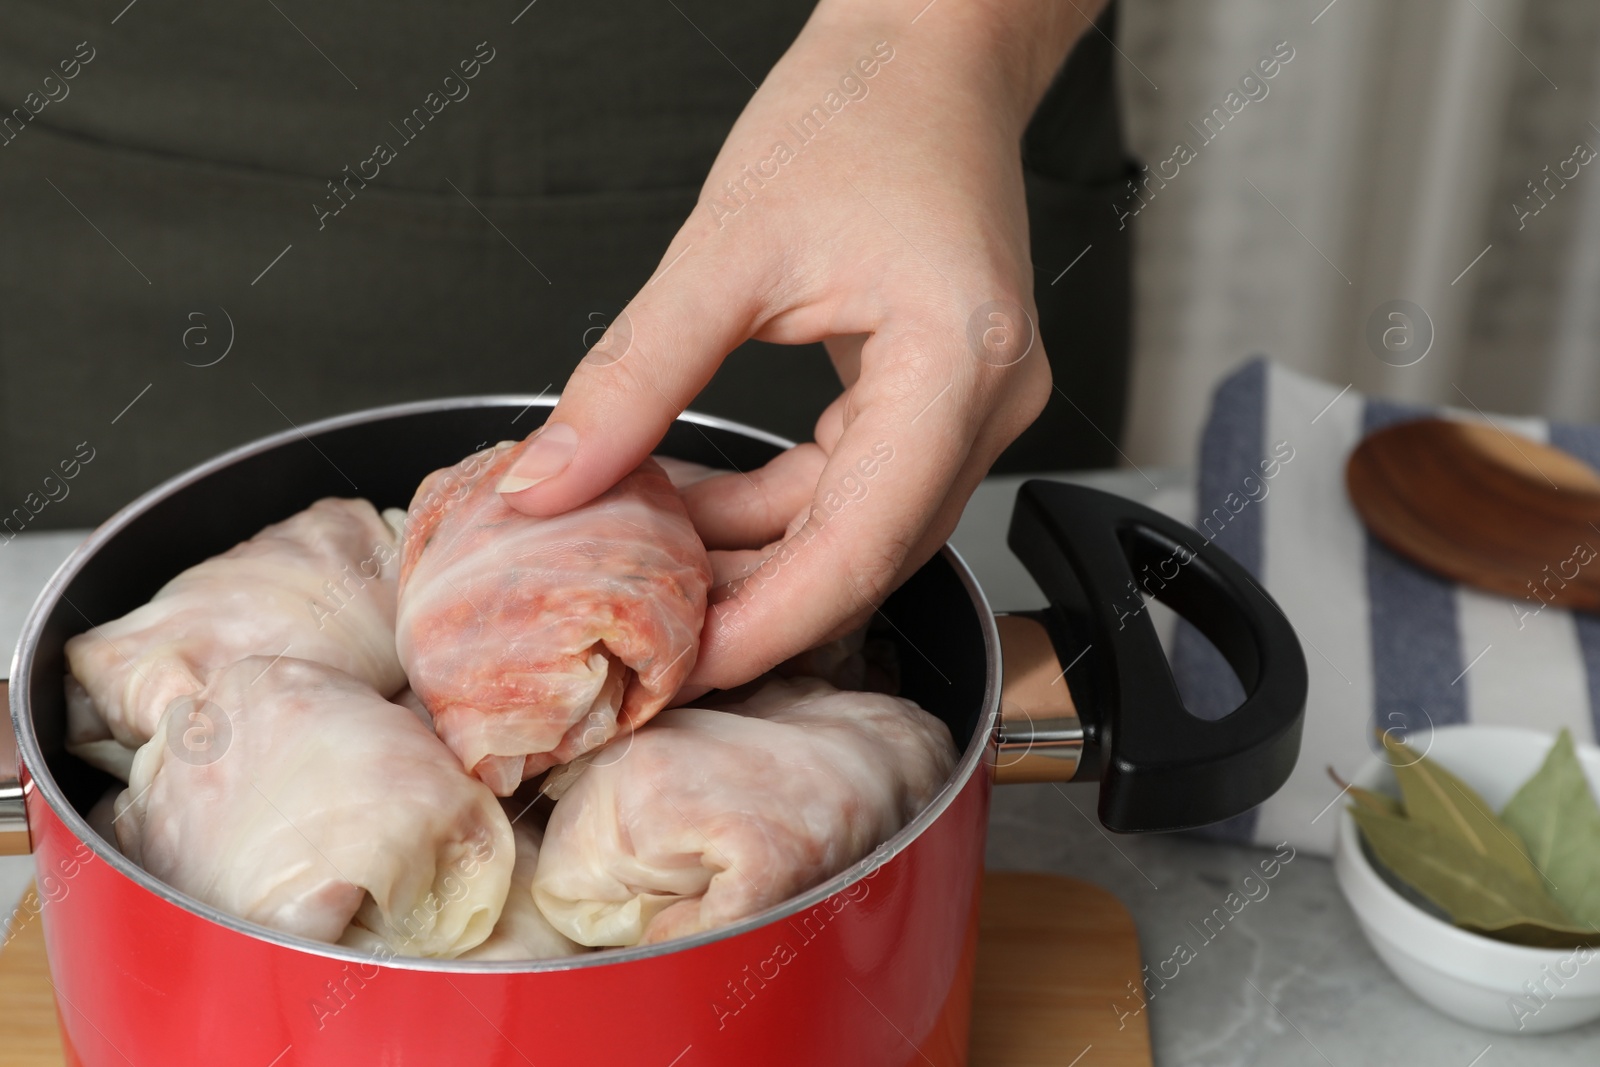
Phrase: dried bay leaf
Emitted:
{"points": [[1437, 799], [1473, 890], [1367, 798], [1375, 801], [1537, 935], [1556, 814], [1411, 895]]}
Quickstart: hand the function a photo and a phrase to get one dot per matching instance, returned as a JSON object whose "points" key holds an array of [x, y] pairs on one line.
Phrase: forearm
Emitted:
{"points": [[1006, 50]]}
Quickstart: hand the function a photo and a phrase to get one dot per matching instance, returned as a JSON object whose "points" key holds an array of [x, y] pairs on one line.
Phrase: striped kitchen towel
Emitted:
{"points": [[1387, 644]]}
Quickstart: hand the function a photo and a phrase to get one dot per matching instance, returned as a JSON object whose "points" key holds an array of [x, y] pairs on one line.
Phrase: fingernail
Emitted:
{"points": [[547, 454]]}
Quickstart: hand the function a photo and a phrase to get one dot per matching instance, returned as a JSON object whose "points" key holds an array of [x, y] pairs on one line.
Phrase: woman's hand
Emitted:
{"points": [[871, 197]]}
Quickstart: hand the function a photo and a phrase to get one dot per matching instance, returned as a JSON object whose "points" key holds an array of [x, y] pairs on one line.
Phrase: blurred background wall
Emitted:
{"points": [[1393, 158]]}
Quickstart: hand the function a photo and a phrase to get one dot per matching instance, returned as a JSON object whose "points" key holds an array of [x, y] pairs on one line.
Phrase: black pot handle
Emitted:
{"points": [[1160, 768]]}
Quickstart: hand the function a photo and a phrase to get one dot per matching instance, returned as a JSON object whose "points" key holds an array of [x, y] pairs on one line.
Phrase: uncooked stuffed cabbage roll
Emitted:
{"points": [[523, 933], [684, 473], [318, 586], [318, 803], [706, 817], [534, 640], [90, 739]]}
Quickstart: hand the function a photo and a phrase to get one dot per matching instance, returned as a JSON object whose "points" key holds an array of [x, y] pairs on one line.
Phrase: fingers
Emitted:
{"points": [[845, 353], [730, 567], [754, 509], [872, 515], [830, 424], [659, 353], [688, 694], [906, 447]]}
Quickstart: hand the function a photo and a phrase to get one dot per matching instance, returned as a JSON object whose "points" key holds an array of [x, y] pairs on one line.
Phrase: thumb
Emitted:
{"points": [[653, 360]]}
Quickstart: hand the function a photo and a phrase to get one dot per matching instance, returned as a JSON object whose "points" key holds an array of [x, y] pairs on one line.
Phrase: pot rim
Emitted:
{"points": [[42, 781]]}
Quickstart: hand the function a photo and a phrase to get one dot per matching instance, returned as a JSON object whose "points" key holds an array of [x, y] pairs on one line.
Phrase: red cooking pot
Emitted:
{"points": [[874, 967]]}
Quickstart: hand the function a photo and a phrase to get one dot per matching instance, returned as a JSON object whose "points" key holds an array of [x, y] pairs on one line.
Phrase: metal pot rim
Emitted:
{"points": [[32, 757]]}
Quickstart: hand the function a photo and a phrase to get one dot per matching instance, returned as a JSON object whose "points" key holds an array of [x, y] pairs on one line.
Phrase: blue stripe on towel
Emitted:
{"points": [[1416, 637], [1584, 442], [1231, 448]]}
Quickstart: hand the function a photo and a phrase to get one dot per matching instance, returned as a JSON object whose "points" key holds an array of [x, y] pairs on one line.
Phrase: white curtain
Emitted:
{"points": [[1393, 158]]}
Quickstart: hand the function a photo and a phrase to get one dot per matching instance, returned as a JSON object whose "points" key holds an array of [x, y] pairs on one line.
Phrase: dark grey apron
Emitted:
{"points": [[192, 255]]}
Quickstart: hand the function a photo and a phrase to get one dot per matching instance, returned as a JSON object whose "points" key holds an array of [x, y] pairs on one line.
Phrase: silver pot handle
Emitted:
{"points": [[14, 839], [1041, 738]]}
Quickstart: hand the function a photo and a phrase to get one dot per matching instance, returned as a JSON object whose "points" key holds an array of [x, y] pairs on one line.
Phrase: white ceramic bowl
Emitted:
{"points": [[1481, 981]]}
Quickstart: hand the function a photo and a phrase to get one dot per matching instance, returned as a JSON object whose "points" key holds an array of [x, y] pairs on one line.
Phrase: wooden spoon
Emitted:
{"points": [[1483, 507]]}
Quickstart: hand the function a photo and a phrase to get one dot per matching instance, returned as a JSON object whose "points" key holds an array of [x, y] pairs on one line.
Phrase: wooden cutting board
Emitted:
{"points": [[1055, 956]]}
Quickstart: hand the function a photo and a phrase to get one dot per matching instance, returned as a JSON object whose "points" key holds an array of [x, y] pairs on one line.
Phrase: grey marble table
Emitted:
{"points": [[1290, 981]]}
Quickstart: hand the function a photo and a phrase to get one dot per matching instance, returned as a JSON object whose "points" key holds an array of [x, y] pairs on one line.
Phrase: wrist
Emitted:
{"points": [[1008, 51]]}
